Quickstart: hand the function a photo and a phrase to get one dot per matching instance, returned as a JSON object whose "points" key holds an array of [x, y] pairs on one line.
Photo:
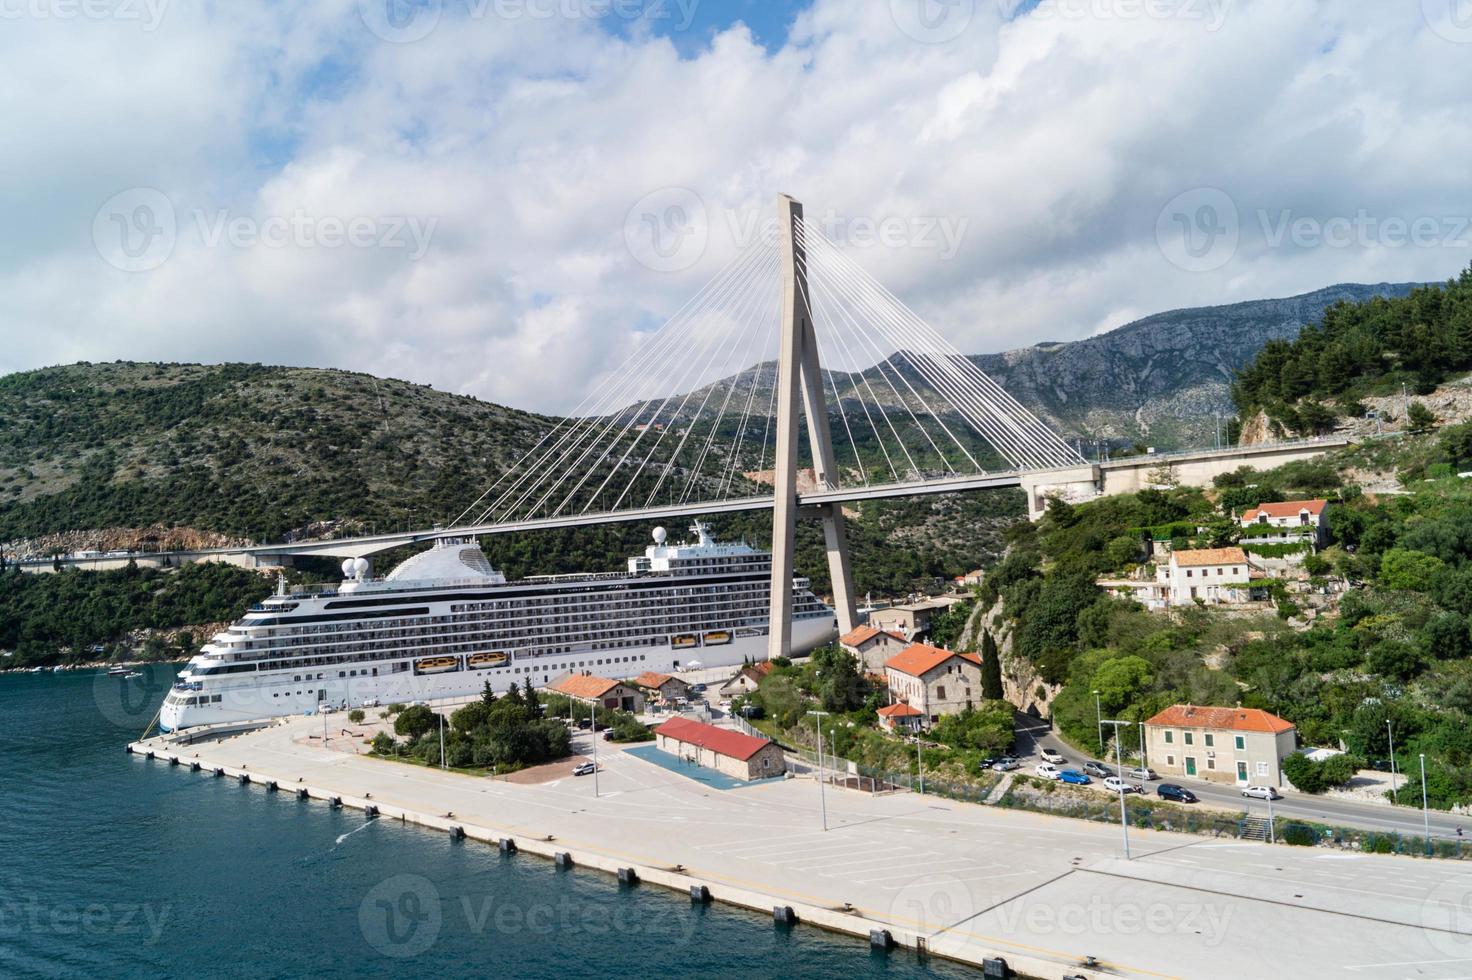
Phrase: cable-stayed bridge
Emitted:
{"points": [[793, 381]]}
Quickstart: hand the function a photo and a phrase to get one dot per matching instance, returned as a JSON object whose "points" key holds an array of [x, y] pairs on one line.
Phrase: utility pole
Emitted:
{"points": [[442, 740], [920, 763], [593, 731], [1124, 817], [1425, 811], [822, 797], [1099, 717]]}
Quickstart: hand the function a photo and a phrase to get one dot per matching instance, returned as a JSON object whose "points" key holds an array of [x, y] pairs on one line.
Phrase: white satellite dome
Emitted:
{"points": [[660, 534], [361, 566], [347, 568]]}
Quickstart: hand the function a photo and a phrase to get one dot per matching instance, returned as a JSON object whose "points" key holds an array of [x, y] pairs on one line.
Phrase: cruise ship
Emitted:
{"points": [[444, 622]]}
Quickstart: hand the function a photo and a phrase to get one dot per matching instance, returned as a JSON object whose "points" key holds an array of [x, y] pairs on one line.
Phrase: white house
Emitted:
{"points": [[1211, 575], [1290, 520]]}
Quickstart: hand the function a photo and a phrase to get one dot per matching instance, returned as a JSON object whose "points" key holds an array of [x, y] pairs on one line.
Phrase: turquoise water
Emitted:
{"points": [[112, 866]]}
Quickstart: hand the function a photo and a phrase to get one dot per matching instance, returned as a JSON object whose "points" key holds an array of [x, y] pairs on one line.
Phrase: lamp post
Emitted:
{"points": [[593, 731], [1390, 734], [822, 797], [920, 763], [442, 740], [1099, 717], [1144, 757], [1425, 811], [1124, 819]]}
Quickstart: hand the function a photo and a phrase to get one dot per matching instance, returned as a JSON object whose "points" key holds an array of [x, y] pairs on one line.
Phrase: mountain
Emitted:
{"points": [[1160, 379]]}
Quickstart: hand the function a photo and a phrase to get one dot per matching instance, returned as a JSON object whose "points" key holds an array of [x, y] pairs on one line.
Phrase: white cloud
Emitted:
{"points": [[521, 144]]}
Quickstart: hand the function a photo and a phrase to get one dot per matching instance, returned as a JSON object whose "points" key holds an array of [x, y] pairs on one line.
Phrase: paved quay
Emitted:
{"points": [[1047, 893]]}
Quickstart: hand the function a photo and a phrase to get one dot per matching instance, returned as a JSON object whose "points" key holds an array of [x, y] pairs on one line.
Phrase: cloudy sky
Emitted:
{"points": [[501, 197]]}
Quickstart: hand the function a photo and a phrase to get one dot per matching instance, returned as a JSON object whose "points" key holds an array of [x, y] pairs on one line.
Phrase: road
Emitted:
{"points": [[1033, 735]]}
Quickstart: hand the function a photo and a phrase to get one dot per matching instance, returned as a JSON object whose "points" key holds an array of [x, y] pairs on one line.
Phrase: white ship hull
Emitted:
{"points": [[266, 696]]}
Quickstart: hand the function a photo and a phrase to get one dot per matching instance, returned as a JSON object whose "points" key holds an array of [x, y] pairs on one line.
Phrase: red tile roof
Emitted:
{"points": [[919, 658], [583, 686], [1235, 719], [1287, 508], [863, 634], [721, 741], [1210, 556], [900, 710], [652, 679]]}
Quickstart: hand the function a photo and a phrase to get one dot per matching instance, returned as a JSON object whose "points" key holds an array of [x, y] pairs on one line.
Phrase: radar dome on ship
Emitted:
{"points": [[361, 566], [347, 568], [659, 535]]}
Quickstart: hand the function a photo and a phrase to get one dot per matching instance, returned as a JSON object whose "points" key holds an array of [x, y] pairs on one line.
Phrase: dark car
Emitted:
{"points": [[1096, 769], [1170, 791]]}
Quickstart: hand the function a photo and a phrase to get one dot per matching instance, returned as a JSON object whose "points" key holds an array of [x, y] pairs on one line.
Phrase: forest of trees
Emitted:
{"points": [[1419, 340]]}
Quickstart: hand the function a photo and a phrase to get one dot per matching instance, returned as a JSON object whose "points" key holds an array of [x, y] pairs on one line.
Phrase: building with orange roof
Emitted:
{"points": [[1287, 520], [610, 694], [666, 687], [899, 717], [1245, 746], [872, 645], [1208, 575], [934, 681], [737, 755]]}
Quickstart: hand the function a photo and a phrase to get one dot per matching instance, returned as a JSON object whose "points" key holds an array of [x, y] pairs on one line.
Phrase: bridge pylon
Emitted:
{"points": [[799, 372]]}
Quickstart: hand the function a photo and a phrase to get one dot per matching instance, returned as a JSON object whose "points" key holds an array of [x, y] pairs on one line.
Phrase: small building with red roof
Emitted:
{"points": [[664, 687], [899, 717], [872, 645], [732, 753], [1245, 746], [934, 681], [609, 694]]}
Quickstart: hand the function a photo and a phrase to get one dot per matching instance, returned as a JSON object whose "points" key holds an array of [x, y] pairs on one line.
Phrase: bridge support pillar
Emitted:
{"points": [[799, 371]]}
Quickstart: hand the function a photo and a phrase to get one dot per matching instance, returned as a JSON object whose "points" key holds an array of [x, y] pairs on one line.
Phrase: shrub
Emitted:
{"points": [[415, 721], [357, 715], [383, 743], [1299, 835]]}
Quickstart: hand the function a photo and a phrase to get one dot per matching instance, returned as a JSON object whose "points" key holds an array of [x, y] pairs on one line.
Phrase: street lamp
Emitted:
{"points": [[1099, 716], [442, 740], [593, 731], [822, 797], [920, 763], [1390, 734], [1124, 820], [1425, 812]]}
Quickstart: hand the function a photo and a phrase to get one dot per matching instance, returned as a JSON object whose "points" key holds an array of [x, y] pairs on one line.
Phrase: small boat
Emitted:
{"points": [[717, 638], [436, 665], [485, 661], [117, 672], [683, 640], [132, 674]]}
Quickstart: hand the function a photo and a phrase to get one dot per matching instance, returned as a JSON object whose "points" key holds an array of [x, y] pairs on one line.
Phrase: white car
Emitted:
{"points": [[1053, 756], [1116, 785], [370, 702], [1262, 793], [1142, 773], [1046, 770]]}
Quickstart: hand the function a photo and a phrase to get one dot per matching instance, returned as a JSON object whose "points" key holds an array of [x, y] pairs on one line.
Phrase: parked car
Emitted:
{"points": [[584, 724], [1141, 772], [697, 687], [1046, 770], [1005, 764], [1116, 785], [1074, 776], [608, 734], [1053, 756], [1096, 769], [1262, 793], [370, 702], [988, 762], [1170, 791], [584, 769], [326, 708]]}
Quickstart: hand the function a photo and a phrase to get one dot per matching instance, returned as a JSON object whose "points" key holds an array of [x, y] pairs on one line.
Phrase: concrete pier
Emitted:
{"points": [[964, 882]]}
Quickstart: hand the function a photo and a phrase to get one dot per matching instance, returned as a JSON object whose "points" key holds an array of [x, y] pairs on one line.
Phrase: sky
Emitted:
{"points": [[504, 197]]}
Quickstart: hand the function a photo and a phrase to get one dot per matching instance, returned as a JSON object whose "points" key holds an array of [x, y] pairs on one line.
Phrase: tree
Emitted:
{"points": [[1413, 571], [533, 702], [1120, 681], [991, 668], [1420, 418], [488, 694], [383, 743], [414, 721], [357, 715]]}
